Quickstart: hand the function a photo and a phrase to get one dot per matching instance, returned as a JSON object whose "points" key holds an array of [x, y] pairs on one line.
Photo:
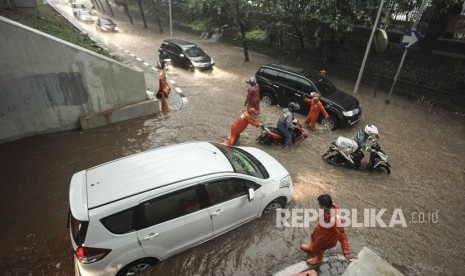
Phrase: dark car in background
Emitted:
{"points": [[185, 54], [106, 25], [281, 84]]}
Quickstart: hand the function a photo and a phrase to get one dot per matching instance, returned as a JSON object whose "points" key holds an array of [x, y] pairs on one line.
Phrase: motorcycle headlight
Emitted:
{"points": [[286, 182]]}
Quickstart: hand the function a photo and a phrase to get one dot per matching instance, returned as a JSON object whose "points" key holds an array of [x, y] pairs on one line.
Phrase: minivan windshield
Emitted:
{"points": [[243, 162], [194, 52]]}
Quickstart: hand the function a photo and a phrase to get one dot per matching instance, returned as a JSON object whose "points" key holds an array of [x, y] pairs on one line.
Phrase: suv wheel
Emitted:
{"points": [[332, 122], [137, 267], [268, 98]]}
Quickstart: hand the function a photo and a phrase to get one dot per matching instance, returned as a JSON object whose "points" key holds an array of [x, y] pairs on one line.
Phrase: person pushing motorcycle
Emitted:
{"points": [[248, 117]]}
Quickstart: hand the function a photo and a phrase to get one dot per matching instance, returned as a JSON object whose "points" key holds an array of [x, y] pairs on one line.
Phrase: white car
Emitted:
{"points": [[128, 214], [85, 16]]}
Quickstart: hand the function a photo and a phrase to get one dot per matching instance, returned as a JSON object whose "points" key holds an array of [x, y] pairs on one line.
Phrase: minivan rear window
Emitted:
{"points": [[78, 230], [120, 223]]}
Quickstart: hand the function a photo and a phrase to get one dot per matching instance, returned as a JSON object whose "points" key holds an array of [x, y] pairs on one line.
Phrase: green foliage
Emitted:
{"points": [[257, 35], [199, 25]]}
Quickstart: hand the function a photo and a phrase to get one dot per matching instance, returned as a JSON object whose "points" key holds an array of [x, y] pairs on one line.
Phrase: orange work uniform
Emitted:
{"points": [[239, 125], [314, 112], [324, 237], [163, 86]]}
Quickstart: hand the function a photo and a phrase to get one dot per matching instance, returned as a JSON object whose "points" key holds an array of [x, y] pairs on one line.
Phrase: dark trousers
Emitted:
{"points": [[282, 128]]}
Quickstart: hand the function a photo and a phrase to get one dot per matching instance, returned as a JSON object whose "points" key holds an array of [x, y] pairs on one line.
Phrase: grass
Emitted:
{"points": [[52, 23]]}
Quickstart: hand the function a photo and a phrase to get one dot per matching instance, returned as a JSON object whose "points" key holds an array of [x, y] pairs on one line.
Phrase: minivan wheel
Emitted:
{"points": [[268, 98], [137, 267], [274, 205]]}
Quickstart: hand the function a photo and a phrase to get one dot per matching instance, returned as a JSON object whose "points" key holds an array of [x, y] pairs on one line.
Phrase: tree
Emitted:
{"points": [[141, 8], [443, 11]]}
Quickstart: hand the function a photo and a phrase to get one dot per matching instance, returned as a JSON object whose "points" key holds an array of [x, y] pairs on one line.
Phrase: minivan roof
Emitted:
{"points": [[148, 170]]}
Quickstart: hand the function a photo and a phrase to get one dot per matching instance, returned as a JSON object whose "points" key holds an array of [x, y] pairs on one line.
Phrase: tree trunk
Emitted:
{"points": [[126, 10], [160, 27], [109, 7], [101, 5], [139, 2]]}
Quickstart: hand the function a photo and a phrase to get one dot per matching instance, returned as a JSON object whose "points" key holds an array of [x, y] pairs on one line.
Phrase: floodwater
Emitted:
{"points": [[426, 147]]}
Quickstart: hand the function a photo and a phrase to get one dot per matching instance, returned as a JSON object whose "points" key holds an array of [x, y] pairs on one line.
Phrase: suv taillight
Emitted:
{"points": [[88, 255]]}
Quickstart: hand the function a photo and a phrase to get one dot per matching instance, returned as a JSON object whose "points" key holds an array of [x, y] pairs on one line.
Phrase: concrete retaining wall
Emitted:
{"points": [[47, 84]]}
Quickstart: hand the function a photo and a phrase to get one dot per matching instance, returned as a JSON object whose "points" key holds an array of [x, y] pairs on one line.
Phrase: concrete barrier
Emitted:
{"points": [[47, 84]]}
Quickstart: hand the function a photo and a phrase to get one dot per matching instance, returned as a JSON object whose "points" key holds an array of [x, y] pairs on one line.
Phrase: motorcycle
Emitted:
{"points": [[165, 63], [271, 135], [346, 153], [378, 160]]}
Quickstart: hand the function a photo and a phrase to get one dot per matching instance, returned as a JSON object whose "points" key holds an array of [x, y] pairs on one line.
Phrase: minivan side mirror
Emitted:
{"points": [[181, 55], [160, 50], [251, 194]]}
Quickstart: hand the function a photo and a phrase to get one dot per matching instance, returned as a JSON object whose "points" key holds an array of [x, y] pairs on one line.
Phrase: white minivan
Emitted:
{"points": [[128, 214]]}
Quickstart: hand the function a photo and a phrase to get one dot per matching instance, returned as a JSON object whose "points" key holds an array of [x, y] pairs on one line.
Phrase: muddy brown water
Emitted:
{"points": [[426, 147]]}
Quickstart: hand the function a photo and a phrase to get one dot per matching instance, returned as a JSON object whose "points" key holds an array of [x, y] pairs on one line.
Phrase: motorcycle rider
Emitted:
{"points": [[369, 132], [285, 123], [163, 57]]}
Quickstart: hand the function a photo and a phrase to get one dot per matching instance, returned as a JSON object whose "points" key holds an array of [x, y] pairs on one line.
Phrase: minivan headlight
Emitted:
{"points": [[286, 182]]}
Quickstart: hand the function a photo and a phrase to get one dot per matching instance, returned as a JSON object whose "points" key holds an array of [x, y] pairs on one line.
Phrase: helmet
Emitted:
{"points": [[323, 72], [251, 80], [293, 106], [371, 129], [252, 111]]}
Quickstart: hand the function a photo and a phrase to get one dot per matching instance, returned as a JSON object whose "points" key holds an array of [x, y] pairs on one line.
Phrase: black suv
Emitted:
{"points": [[282, 84], [185, 54]]}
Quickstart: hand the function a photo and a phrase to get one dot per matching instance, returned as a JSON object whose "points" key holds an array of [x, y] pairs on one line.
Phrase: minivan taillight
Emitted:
{"points": [[88, 255]]}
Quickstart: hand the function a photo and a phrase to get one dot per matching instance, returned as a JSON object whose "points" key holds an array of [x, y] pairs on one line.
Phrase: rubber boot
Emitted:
{"points": [[307, 247], [317, 259]]}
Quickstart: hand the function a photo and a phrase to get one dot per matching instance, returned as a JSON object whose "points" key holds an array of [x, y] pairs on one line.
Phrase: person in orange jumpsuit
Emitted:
{"points": [[253, 95], [315, 109], [241, 124], [163, 86], [326, 236]]}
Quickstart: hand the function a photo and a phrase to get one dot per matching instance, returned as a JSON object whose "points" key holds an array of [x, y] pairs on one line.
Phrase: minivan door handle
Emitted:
{"points": [[275, 85], [217, 212], [151, 236]]}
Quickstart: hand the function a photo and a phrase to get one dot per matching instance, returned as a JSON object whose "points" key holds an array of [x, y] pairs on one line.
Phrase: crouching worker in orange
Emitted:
{"points": [[327, 235], [248, 117], [315, 109]]}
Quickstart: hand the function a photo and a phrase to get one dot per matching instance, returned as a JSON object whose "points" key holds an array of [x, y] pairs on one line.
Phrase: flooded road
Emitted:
{"points": [[426, 147]]}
